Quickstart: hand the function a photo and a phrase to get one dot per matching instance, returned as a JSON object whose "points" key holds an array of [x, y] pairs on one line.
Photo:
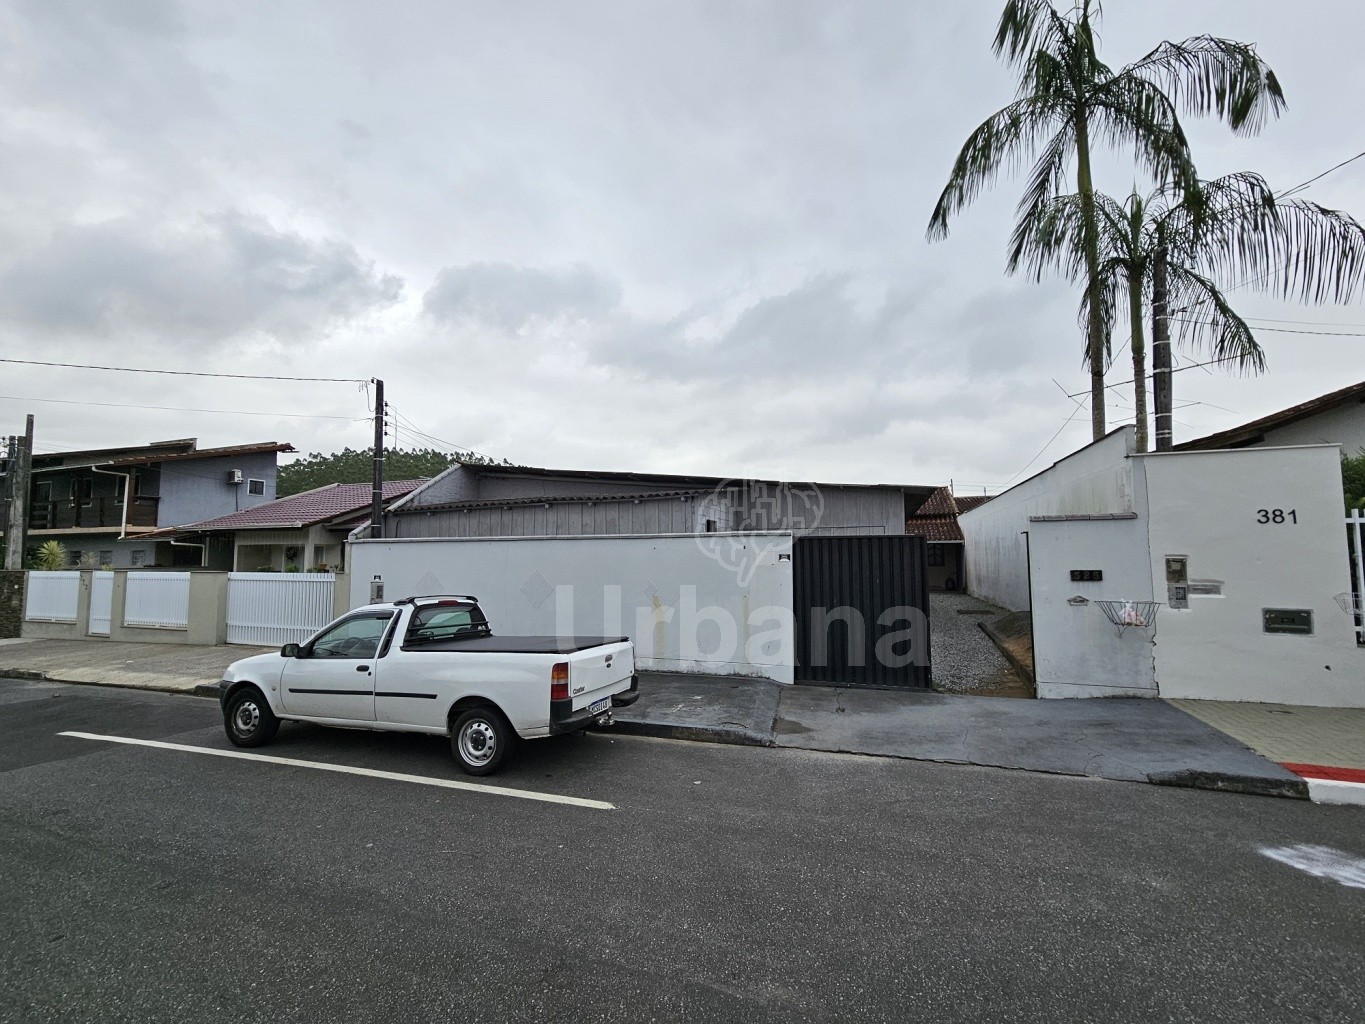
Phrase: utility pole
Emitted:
{"points": [[21, 462], [377, 495], [1161, 353]]}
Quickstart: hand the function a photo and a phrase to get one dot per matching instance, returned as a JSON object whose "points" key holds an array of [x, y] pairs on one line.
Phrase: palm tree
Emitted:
{"points": [[1068, 98], [1172, 247]]}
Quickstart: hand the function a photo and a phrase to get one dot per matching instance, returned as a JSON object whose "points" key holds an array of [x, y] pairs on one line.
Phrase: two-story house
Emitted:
{"points": [[102, 503]]}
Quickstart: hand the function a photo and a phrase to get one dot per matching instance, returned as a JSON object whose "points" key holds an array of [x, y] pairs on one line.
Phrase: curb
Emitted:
{"points": [[33, 676], [1023, 671], [734, 736], [1293, 789]]}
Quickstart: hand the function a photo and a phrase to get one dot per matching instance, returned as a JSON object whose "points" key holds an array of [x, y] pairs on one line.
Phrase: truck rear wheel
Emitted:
{"points": [[248, 720], [481, 739]]}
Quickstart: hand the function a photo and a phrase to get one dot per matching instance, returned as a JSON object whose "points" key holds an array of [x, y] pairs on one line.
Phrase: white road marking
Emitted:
{"points": [[421, 780], [1321, 862]]}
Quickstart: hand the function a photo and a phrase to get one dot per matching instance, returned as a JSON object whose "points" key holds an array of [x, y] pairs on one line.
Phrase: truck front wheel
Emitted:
{"points": [[248, 719], [481, 740]]}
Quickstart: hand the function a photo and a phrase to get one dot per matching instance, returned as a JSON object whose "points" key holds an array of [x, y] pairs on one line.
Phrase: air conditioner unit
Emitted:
{"points": [[234, 476]]}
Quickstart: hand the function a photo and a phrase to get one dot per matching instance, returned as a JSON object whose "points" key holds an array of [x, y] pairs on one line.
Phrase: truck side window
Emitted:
{"points": [[354, 638]]}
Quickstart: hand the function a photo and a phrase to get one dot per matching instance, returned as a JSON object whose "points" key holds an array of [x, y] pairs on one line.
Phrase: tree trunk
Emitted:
{"points": [[1161, 353], [1095, 347], [1139, 359]]}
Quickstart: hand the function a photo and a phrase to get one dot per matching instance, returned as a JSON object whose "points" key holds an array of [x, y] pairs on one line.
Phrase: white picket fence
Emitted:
{"points": [[271, 608], [52, 596], [101, 602], [159, 599]]}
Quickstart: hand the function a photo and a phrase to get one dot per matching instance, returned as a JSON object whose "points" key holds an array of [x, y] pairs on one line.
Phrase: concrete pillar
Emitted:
{"points": [[208, 608], [83, 602]]}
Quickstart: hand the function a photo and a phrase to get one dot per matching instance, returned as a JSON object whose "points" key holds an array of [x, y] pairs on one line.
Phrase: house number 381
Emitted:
{"points": [[1277, 515]]}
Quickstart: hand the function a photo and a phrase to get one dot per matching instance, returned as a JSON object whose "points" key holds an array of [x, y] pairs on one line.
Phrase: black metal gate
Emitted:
{"points": [[862, 611]]}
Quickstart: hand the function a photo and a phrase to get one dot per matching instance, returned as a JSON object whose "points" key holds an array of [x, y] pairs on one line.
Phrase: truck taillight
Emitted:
{"points": [[559, 681]]}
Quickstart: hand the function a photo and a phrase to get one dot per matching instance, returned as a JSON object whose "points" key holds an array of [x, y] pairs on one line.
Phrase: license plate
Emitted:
{"points": [[598, 706]]}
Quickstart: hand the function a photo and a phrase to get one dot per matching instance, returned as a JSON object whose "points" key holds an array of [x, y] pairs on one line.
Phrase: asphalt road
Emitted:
{"points": [[730, 883]]}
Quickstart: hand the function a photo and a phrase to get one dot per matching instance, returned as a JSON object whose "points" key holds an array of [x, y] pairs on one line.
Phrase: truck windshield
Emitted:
{"points": [[446, 622]]}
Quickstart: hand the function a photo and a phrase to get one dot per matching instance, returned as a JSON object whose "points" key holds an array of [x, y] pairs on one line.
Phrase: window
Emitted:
{"points": [[106, 558], [710, 526], [137, 557], [354, 638], [255, 487], [147, 481], [446, 622], [936, 554], [75, 555]]}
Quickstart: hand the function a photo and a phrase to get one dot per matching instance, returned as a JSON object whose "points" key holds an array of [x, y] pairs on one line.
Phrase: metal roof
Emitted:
{"points": [[299, 510]]}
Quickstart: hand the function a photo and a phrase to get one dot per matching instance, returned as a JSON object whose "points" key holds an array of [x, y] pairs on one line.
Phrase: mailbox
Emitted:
{"points": [[1177, 581]]}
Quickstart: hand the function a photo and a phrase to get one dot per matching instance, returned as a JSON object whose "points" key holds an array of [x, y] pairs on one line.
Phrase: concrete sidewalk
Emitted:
{"points": [[176, 668], [1326, 746], [1131, 740]]}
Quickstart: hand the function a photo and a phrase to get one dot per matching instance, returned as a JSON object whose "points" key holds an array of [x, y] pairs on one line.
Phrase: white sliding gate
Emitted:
{"points": [[157, 599], [101, 602], [270, 608], [52, 596]]}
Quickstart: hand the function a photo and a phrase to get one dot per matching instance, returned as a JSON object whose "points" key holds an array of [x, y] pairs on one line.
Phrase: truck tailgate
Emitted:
{"points": [[598, 672]]}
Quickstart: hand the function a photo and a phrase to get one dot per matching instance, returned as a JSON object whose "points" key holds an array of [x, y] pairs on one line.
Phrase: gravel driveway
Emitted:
{"points": [[965, 659]]}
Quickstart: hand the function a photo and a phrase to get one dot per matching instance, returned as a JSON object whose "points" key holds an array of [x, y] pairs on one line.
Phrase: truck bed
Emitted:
{"points": [[518, 644]]}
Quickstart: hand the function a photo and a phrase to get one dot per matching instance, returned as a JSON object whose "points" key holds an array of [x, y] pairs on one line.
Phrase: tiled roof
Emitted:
{"points": [[306, 509], [1253, 432], [936, 519], [937, 529], [967, 502], [206, 453]]}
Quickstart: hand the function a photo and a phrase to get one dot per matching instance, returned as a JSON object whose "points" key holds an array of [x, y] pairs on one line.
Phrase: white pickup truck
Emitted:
{"points": [[433, 665]]}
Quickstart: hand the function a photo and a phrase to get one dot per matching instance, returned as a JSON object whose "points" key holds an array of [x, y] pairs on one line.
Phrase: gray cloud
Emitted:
{"points": [[506, 296], [704, 222], [216, 278]]}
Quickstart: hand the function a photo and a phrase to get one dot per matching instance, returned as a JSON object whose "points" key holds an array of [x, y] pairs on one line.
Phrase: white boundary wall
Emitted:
{"points": [[1077, 651], [1207, 506], [683, 608], [1097, 479]]}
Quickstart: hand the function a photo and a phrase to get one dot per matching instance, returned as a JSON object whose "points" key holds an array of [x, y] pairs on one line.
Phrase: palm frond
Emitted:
{"points": [[1207, 75], [1128, 109], [1209, 323], [1294, 249], [1028, 26], [1002, 141]]}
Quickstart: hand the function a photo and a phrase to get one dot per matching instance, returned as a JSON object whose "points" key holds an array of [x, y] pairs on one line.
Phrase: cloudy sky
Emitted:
{"points": [[668, 236]]}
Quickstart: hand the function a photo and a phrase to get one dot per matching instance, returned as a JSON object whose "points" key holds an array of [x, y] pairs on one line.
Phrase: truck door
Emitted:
{"points": [[334, 677]]}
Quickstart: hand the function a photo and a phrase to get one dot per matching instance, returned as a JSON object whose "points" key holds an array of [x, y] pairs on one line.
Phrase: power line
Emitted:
{"points": [[1305, 323], [1300, 187], [1176, 369], [186, 373], [1065, 423], [1279, 330], [172, 408]]}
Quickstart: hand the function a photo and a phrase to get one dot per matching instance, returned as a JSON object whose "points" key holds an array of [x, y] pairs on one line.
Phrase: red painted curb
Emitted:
{"points": [[1322, 771]]}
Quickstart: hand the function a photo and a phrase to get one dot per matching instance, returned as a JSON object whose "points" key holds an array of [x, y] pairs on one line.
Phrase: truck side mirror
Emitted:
{"points": [[289, 651]]}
